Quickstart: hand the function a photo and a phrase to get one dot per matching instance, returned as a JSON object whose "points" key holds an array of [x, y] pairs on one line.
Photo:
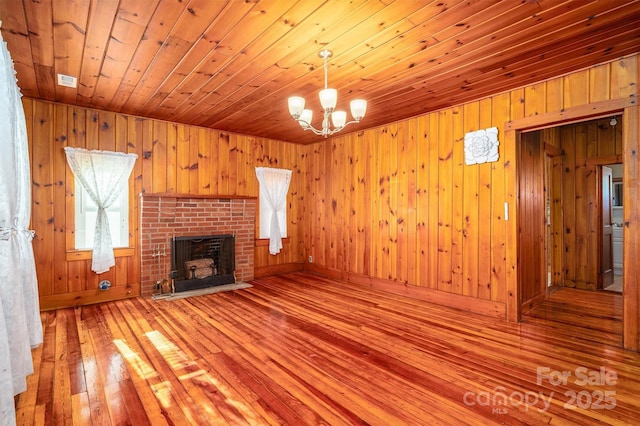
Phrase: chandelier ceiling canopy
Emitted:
{"points": [[328, 100]]}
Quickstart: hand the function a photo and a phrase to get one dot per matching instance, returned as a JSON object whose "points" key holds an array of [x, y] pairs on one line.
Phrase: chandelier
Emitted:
{"points": [[328, 100]]}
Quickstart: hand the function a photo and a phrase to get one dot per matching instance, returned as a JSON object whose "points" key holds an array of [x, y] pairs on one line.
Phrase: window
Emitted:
{"points": [[265, 218], [103, 175], [86, 212], [274, 184]]}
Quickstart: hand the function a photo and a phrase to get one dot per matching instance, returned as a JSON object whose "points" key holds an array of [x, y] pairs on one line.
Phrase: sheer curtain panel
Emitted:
{"points": [[103, 174], [20, 326], [274, 185]]}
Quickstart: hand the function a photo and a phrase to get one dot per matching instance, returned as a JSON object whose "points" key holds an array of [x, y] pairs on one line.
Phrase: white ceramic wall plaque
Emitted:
{"points": [[481, 146]]}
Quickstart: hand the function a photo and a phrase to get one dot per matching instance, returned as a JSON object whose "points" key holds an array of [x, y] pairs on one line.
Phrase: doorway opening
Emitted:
{"points": [[627, 153], [569, 206]]}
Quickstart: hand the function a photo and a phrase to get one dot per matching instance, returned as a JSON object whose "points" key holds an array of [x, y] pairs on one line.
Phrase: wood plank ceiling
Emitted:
{"points": [[231, 65]]}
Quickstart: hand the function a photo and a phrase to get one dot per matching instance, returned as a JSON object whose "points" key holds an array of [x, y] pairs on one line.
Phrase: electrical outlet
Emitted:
{"points": [[310, 259]]}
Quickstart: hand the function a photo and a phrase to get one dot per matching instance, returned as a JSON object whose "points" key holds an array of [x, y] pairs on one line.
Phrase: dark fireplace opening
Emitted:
{"points": [[202, 261]]}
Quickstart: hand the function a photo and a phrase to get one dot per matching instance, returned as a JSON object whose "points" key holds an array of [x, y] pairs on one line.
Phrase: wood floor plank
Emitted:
{"points": [[26, 406], [62, 378], [110, 365], [44, 398], [96, 397], [80, 406], [301, 349]]}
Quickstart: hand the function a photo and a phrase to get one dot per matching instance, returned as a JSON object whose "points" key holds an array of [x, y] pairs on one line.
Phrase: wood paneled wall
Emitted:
{"points": [[172, 158], [396, 204], [396, 207]]}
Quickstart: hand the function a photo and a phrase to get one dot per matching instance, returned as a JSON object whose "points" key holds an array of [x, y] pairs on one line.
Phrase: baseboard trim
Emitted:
{"points": [[536, 300], [267, 271], [87, 297]]}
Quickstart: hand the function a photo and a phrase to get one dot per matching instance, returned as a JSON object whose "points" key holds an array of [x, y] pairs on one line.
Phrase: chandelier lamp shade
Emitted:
{"points": [[328, 100]]}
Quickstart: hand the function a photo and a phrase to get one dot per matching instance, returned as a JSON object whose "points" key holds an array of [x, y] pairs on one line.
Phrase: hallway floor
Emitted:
{"points": [[617, 284], [580, 314]]}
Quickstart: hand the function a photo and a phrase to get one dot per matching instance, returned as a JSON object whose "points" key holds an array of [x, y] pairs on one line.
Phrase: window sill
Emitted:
{"points": [[260, 242], [88, 254]]}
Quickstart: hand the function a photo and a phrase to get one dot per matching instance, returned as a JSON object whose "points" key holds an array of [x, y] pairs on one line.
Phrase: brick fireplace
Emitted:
{"points": [[164, 216]]}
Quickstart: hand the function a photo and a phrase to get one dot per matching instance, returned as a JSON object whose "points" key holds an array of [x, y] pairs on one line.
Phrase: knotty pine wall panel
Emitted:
{"points": [[484, 213], [422, 217], [496, 192], [172, 158]]}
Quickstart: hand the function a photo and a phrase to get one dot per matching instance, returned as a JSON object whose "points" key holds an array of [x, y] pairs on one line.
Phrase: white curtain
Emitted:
{"points": [[103, 174], [20, 325], [274, 185]]}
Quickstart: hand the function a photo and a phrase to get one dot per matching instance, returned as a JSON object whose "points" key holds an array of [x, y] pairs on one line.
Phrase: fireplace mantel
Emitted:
{"points": [[203, 196]]}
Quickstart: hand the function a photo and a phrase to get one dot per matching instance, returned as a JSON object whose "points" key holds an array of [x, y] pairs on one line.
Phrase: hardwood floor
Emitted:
{"points": [[301, 349], [586, 317]]}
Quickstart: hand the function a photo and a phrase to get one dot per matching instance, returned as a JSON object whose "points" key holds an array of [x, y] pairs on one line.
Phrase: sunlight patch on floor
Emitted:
{"points": [[162, 390], [141, 367], [187, 370]]}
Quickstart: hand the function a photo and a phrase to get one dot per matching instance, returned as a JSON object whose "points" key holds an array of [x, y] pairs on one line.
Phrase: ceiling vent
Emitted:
{"points": [[67, 81]]}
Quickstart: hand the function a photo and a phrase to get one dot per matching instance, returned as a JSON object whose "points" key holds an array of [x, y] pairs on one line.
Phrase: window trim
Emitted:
{"points": [[87, 254], [264, 242]]}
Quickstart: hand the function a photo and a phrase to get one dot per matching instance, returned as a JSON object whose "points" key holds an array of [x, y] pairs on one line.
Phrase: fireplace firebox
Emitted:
{"points": [[202, 261]]}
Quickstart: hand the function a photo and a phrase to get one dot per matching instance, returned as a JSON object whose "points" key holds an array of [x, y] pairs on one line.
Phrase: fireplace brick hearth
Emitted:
{"points": [[164, 216]]}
